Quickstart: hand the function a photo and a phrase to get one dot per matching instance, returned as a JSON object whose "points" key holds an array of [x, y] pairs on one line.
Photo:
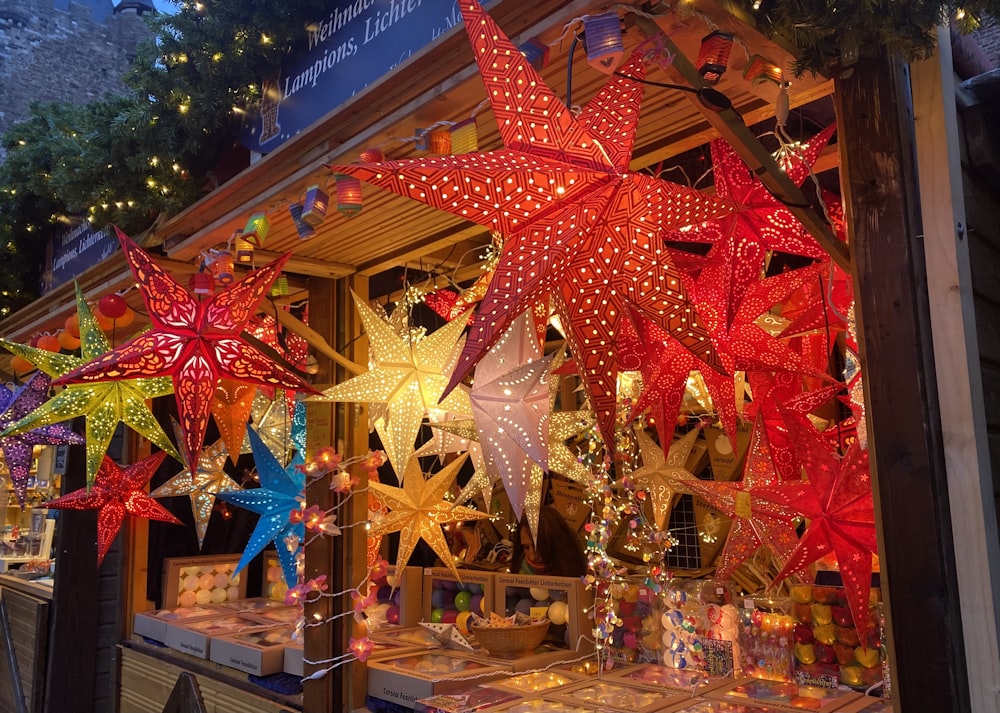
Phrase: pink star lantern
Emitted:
{"points": [[579, 224], [195, 342], [115, 494]]}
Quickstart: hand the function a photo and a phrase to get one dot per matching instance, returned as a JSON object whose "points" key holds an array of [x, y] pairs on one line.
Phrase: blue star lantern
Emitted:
{"points": [[277, 500]]}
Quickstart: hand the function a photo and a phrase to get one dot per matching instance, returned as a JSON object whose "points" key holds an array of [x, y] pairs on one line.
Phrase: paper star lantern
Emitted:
{"points": [[448, 635], [104, 405], [564, 425], [115, 494], [209, 479], [578, 223], [659, 473], [194, 342], [756, 520], [231, 405], [17, 448], [279, 495], [410, 378], [460, 436], [281, 424], [837, 502], [418, 509]]}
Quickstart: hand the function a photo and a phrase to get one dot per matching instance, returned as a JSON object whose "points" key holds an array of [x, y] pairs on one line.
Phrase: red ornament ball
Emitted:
{"points": [[113, 306]]}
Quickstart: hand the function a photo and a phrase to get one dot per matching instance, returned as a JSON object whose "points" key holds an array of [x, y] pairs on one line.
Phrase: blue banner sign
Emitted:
{"points": [[357, 43], [76, 250]]}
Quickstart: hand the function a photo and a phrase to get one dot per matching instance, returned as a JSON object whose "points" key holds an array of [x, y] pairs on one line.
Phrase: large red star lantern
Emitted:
{"points": [[837, 501], [115, 494], [195, 342], [578, 223]]}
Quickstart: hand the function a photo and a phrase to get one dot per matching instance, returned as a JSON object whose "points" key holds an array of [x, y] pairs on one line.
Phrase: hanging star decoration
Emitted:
{"points": [[838, 506], [409, 377], [418, 509], [104, 405], [460, 436], [578, 223], [115, 494], [17, 447], [232, 403], [194, 342], [756, 521], [660, 472], [209, 479], [447, 635], [564, 425], [277, 500]]}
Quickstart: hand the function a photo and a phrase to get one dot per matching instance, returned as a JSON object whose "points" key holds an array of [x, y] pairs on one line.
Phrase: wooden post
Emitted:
{"points": [[909, 477], [959, 374]]}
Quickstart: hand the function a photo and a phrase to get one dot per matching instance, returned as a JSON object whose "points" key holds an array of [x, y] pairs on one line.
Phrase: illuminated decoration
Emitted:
{"points": [[315, 206], [244, 249], [280, 494], [220, 266], [409, 378], [760, 69], [115, 494], [201, 283], [449, 304], [371, 155], [418, 510], [584, 227], [756, 521], [304, 230], [231, 405], [17, 447], [104, 405], [256, 230], [279, 424], [602, 36], [464, 137], [536, 52], [660, 472], [113, 306], [713, 55], [439, 141], [837, 504], [194, 342], [201, 487], [67, 341], [280, 287], [460, 436], [564, 425], [349, 198]]}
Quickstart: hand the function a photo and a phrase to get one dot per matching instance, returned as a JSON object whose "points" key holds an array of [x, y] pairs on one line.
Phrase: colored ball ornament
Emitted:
{"points": [[384, 593], [72, 325], [436, 615], [49, 342], [449, 616], [20, 365], [392, 615], [476, 604], [103, 321], [462, 601], [127, 318], [448, 599], [539, 594], [113, 306], [67, 341], [462, 622], [437, 599], [558, 613], [392, 580], [524, 606]]}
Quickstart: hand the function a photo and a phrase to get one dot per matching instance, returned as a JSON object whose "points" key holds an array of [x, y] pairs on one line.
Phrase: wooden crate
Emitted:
{"points": [[29, 622]]}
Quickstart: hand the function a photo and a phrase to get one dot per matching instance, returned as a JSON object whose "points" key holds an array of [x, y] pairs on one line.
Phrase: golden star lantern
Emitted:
{"points": [[418, 509], [461, 439], [564, 425], [409, 377], [103, 404], [661, 474]]}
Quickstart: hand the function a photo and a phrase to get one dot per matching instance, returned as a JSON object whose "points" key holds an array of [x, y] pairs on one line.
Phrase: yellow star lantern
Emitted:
{"points": [[661, 475], [418, 510], [408, 377], [104, 404], [461, 439], [564, 425]]}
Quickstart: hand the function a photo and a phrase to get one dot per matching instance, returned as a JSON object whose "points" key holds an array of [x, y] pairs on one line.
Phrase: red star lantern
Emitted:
{"points": [[837, 501], [579, 224], [115, 494], [756, 521], [195, 342]]}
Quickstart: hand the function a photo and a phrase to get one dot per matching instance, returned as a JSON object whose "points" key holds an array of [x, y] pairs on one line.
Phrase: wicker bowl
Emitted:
{"points": [[511, 641]]}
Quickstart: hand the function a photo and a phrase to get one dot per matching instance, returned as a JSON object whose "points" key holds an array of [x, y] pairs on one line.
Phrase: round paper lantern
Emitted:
{"points": [[67, 341], [463, 600], [103, 321], [113, 306], [73, 325], [20, 365], [49, 342], [462, 621], [126, 319], [558, 613]]}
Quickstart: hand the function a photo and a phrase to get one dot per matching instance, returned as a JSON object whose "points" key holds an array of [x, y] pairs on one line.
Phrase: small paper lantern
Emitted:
{"points": [[304, 230], [536, 52], [49, 342], [72, 325], [315, 206], [112, 306], [244, 250], [603, 39], [280, 287], [67, 341], [761, 69], [349, 200], [126, 319], [439, 141], [21, 366], [372, 155], [464, 137], [202, 283], [256, 229], [222, 268], [103, 321], [714, 55]]}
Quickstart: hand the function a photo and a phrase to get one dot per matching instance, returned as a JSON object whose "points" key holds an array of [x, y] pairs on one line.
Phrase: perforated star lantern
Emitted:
{"points": [[564, 425], [208, 480], [448, 635], [104, 405], [115, 494], [231, 406], [578, 223], [409, 377], [17, 448], [418, 510], [660, 472], [194, 342], [460, 436], [280, 494]]}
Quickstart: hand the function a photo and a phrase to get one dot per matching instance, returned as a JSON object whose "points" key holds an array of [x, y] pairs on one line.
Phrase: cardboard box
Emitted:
{"points": [[253, 606], [194, 637], [657, 677], [607, 695], [204, 579], [415, 637], [260, 653], [293, 659], [406, 679], [153, 624], [783, 695], [465, 700], [272, 616], [445, 597], [537, 593]]}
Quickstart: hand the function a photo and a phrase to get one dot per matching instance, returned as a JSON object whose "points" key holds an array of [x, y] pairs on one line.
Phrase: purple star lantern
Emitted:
{"points": [[15, 405]]}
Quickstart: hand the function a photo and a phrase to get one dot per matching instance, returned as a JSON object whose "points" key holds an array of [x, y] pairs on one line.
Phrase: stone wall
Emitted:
{"points": [[48, 53], [989, 40]]}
